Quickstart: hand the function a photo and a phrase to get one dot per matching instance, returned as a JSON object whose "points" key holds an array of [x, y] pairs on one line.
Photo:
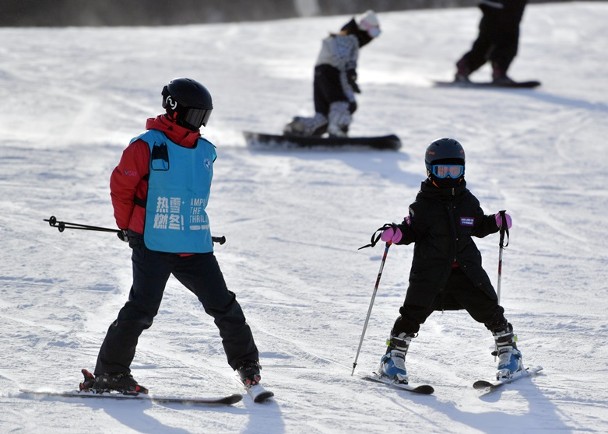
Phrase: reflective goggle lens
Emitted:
{"points": [[197, 117], [453, 171]]}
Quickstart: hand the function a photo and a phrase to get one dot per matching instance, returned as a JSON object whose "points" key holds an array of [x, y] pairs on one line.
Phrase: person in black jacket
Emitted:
{"points": [[497, 41], [446, 271]]}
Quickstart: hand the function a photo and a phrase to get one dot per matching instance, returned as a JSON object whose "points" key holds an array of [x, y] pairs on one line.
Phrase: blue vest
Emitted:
{"points": [[178, 192]]}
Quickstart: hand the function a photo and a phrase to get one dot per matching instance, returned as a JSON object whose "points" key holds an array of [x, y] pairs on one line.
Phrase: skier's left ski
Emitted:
{"points": [[491, 385], [221, 400], [423, 389]]}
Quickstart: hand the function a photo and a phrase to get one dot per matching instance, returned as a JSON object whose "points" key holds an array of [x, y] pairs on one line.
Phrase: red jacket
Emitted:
{"points": [[129, 180]]}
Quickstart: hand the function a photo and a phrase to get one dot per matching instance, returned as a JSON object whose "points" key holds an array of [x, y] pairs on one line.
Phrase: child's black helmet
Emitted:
{"points": [[188, 101], [444, 151]]}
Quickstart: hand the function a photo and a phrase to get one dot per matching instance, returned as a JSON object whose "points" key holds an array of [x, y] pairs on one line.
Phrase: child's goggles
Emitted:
{"points": [[443, 171]]}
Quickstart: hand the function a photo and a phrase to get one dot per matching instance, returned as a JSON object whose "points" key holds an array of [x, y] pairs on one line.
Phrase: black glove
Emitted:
{"points": [[351, 77], [123, 235]]}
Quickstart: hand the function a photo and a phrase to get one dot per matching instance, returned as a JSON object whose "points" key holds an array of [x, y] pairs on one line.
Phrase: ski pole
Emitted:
{"points": [[68, 225], [61, 226], [503, 230], [371, 303]]}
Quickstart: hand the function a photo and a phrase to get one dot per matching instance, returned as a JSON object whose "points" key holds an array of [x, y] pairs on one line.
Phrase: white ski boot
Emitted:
{"points": [[392, 364], [509, 357]]}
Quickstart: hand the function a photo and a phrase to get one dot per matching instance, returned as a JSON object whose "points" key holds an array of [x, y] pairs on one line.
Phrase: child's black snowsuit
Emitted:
{"points": [[446, 271]]}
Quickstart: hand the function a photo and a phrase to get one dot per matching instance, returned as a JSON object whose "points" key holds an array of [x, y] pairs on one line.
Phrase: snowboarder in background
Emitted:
{"points": [[335, 79], [496, 42], [446, 271], [159, 192]]}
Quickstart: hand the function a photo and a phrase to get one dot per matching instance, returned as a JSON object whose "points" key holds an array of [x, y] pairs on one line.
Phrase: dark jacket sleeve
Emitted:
{"points": [[413, 226], [485, 225]]}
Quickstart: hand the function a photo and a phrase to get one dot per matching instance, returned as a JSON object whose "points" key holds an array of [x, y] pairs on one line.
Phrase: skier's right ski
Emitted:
{"points": [[423, 389], [85, 390], [220, 400]]}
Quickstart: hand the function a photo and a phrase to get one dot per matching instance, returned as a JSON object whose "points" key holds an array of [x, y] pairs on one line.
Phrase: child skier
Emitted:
{"points": [[159, 190], [446, 271], [335, 79]]}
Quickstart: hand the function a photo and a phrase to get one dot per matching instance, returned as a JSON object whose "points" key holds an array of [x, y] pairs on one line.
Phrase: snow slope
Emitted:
{"points": [[73, 97]]}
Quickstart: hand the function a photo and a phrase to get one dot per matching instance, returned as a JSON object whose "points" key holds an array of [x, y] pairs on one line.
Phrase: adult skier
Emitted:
{"points": [[159, 191], [335, 79], [497, 41], [446, 271]]}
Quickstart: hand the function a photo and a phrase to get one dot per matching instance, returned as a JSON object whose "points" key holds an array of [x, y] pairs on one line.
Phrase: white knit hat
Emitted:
{"points": [[368, 22]]}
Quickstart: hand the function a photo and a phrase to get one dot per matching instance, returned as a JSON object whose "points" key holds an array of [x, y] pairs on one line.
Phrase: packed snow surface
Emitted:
{"points": [[72, 98]]}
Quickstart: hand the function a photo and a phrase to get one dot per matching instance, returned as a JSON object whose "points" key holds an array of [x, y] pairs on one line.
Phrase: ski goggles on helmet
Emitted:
{"points": [[197, 117], [443, 171]]}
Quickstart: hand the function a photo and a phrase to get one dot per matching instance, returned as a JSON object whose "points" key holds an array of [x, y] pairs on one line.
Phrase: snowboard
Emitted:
{"points": [[531, 84], [276, 141]]}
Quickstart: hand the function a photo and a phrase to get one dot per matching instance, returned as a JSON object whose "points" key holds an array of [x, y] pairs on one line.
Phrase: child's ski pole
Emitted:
{"points": [[503, 230], [369, 310]]}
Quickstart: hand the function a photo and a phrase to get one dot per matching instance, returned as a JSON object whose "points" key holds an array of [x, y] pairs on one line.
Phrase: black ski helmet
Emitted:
{"points": [[189, 101], [444, 151]]}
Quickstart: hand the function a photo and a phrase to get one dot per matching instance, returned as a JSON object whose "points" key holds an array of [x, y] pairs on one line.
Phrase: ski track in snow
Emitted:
{"points": [[74, 97]]}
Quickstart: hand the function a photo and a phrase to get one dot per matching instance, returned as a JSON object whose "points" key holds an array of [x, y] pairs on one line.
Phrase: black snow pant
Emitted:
{"points": [[201, 274], [459, 293], [498, 38], [328, 88]]}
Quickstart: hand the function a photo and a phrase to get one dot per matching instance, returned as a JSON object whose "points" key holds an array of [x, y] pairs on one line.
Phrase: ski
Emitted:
{"points": [[423, 389], [258, 393], [491, 385], [489, 84], [221, 400]]}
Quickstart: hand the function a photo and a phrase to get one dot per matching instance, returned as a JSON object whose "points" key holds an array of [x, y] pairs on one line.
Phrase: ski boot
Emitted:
{"points": [[249, 371], [509, 357], [302, 126], [122, 382], [392, 364]]}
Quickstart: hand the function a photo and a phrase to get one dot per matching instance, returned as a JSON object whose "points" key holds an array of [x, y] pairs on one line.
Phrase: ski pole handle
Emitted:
{"points": [[219, 240], [504, 228], [501, 245]]}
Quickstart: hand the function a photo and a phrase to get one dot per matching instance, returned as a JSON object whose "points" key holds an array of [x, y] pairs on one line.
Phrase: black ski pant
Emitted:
{"points": [[201, 274], [498, 37], [459, 293], [328, 88]]}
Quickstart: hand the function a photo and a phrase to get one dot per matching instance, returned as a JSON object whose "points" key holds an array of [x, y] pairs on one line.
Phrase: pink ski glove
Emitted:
{"points": [[499, 220], [391, 235]]}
